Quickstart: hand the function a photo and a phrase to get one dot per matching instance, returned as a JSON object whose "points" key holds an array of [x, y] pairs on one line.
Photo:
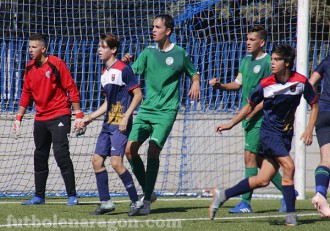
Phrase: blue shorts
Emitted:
{"points": [[111, 142], [322, 128], [272, 144]]}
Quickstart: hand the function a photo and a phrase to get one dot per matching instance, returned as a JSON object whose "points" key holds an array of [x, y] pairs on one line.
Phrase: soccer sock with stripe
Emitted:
{"points": [[138, 170], [102, 182], [128, 182], [322, 180], [151, 177], [246, 197]]}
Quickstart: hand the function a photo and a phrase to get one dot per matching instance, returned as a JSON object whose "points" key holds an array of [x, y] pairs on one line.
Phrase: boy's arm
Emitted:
{"points": [[307, 136], [238, 118], [136, 100], [314, 79], [257, 108], [195, 90], [100, 111], [232, 86]]}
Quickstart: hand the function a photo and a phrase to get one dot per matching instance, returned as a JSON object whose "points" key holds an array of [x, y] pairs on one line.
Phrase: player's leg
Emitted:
{"points": [[42, 140], [262, 179], [288, 168], [141, 130], [160, 132], [251, 168], [119, 140], [60, 129], [102, 150], [322, 172], [279, 146]]}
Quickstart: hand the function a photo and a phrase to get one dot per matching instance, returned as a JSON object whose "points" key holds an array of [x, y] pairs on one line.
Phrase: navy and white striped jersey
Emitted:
{"points": [[117, 82], [281, 101], [324, 70]]}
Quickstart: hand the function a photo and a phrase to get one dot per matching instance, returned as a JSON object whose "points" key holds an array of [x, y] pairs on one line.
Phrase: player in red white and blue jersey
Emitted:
{"points": [[322, 128], [122, 95], [280, 93]]}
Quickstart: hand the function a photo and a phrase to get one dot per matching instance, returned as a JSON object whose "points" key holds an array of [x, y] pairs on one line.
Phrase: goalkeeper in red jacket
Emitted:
{"points": [[49, 83]]}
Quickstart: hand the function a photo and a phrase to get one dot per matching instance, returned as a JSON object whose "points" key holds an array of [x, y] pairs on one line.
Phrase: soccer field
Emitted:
{"points": [[167, 214]]}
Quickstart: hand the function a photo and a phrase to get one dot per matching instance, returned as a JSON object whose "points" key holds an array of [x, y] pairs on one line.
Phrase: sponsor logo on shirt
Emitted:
{"points": [[256, 69], [169, 61]]}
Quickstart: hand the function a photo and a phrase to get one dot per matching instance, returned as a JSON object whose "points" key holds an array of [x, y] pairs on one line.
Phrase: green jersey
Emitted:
{"points": [[162, 71], [251, 71]]}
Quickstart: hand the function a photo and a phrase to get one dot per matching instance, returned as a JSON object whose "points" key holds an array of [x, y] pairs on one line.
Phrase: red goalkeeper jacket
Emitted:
{"points": [[51, 86]]}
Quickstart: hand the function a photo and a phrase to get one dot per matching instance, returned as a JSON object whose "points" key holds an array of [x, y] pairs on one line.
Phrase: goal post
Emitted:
{"points": [[300, 123]]}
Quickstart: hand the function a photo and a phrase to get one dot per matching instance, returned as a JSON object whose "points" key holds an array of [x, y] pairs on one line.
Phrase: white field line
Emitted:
{"points": [[81, 201]]}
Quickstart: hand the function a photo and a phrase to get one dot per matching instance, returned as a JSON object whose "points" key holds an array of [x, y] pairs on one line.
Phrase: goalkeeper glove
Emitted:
{"points": [[76, 127], [17, 126]]}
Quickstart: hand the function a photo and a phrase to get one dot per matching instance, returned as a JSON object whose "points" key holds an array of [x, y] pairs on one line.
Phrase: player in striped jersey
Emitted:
{"points": [[122, 95], [281, 94], [254, 67], [322, 128]]}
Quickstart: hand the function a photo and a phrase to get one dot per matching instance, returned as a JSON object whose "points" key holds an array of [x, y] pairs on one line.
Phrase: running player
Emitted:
{"points": [[254, 67], [281, 94]]}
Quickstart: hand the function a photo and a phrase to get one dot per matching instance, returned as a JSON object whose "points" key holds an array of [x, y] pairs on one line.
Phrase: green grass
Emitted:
{"points": [[180, 213]]}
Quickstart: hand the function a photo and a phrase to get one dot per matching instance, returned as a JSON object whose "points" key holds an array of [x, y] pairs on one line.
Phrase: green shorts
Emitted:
{"points": [[252, 139], [151, 125]]}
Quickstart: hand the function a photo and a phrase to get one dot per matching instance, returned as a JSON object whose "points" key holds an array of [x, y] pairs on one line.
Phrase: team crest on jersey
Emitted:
{"points": [[169, 61], [293, 88], [113, 77], [256, 69], [48, 74]]}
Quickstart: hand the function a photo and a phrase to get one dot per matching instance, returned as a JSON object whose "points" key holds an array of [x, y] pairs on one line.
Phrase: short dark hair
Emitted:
{"points": [[286, 52], [111, 40], [168, 20], [39, 37], [260, 30]]}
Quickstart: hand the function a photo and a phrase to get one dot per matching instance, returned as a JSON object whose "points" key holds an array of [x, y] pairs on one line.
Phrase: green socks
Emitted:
{"points": [[246, 197], [138, 170], [151, 177]]}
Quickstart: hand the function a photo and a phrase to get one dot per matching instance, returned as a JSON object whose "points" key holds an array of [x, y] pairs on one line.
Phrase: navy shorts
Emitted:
{"points": [[272, 144], [111, 141], [322, 128]]}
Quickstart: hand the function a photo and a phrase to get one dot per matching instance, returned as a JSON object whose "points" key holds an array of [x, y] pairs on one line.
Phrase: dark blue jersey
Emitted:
{"points": [[117, 82], [281, 101], [324, 70]]}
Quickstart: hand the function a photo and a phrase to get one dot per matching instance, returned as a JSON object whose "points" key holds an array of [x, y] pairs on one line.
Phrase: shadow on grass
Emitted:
{"points": [[281, 222]]}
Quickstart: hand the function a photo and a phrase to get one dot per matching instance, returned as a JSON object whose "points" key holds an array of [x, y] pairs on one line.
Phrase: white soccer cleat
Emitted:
{"points": [[321, 204], [216, 203]]}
